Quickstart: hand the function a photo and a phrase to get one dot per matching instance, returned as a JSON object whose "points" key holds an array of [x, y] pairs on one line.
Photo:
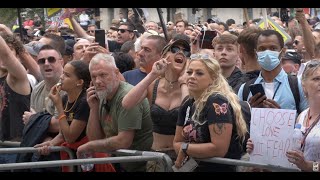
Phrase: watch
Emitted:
{"points": [[315, 167], [184, 148]]}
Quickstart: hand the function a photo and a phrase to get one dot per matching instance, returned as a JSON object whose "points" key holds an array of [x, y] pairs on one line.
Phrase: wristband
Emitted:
{"points": [[62, 117]]}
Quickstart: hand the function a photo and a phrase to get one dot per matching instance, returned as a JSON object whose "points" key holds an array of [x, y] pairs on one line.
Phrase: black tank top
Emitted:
{"points": [[164, 122], [12, 107]]}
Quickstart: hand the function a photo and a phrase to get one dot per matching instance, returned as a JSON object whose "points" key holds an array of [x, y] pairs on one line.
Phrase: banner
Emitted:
{"points": [[53, 11]]}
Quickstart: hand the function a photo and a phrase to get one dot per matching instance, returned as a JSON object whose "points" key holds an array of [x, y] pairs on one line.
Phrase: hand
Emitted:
{"points": [[92, 97], [54, 95], [91, 51], [297, 158], [269, 103], [4, 29], [256, 100], [300, 15], [249, 146], [195, 39], [84, 149], [160, 66], [26, 116], [44, 148]]}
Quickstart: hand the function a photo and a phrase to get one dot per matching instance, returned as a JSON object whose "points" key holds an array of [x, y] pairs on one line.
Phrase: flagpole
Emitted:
{"points": [[20, 24]]}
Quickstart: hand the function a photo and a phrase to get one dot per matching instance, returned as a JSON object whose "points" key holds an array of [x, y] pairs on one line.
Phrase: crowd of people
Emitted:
{"points": [[150, 92]]}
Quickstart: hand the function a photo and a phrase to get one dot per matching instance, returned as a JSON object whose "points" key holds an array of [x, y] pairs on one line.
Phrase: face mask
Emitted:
{"points": [[268, 60]]}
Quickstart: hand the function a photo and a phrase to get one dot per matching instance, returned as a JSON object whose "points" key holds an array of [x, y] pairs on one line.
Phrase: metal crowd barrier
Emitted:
{"points": [[236, 162], [34, 150], [128, 156]]}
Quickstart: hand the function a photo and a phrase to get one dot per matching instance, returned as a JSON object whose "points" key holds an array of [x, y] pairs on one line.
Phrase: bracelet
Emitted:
{"points": [[315, 167], [62, 117], [182, 84]]}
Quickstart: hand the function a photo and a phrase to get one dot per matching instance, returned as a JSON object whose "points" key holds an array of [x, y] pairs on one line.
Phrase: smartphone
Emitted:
{"points": [[256, 88], [100, 37], [206, 39]]}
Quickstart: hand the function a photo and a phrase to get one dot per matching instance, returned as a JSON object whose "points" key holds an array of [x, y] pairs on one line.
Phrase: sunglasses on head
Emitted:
{"points": [[296, 42], [199, 56], [124, 30], [51, 60], [313, 63], [175, 49]]}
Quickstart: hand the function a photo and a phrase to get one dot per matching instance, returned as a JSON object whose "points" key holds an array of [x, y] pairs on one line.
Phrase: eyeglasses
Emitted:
{"points": [[51, 60], [124, 30], [90, 31], [175, 49], [199, 56], [296, 42]]}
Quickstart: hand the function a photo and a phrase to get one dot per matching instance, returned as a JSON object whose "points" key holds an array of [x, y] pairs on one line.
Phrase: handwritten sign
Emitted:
{"points": [[271, 131]]}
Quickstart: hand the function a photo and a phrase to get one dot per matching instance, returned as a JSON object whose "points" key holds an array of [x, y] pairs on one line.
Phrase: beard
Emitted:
{"points": [[103, 94]]}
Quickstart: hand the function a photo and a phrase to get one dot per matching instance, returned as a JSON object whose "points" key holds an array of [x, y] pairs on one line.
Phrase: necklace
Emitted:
{"points": [[67, 103], [309, 119], [170, 82]]}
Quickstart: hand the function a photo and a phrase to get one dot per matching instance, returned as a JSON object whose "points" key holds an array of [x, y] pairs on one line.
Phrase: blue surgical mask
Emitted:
{"points": [[268, 60]]}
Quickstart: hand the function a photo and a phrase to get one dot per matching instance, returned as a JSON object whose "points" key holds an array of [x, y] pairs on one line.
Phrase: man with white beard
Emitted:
{"points": [[110, 126]]}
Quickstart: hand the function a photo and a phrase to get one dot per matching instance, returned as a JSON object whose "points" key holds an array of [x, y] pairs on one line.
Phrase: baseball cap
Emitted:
{"points": [[33, 48], [293, 56], [181, 42]]}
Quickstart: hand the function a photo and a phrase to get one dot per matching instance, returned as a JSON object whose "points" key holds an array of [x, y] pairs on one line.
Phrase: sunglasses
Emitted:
{"points": [[92, 31], [313, 63], [199, 56], [51, 60], [175, 49], [124, 30], [296, 42]]}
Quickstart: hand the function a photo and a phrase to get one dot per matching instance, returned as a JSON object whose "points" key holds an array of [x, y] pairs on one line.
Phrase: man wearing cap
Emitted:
{"points": [[291, 62]]}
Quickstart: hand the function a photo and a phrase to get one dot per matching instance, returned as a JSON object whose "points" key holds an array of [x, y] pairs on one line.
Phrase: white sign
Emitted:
{"points": [[271, 131]]}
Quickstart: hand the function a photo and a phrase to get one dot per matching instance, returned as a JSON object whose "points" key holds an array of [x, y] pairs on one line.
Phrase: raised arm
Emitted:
{"points": [[17, 74], [135, 96]]}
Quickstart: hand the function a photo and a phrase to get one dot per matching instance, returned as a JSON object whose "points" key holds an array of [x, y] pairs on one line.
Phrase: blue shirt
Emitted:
{"points": [[283, 96], [134, 76]]}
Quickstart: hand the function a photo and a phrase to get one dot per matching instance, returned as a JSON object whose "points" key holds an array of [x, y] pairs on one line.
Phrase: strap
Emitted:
{"points": [[245, 92], [293, 82], [154, 93], [307, 132]]}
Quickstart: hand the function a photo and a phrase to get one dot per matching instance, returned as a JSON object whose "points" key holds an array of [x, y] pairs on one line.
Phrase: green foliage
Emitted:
{"points": [[9, 15]]}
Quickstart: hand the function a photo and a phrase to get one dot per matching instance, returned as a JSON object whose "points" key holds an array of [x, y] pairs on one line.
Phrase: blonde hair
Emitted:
{"points": [[220, 86]]}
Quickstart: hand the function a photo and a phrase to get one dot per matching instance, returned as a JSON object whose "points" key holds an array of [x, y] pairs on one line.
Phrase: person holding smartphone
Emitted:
{"points": [[274, 79]]}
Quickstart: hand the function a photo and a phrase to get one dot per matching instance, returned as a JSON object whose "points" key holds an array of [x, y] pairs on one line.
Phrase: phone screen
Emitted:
{"points": [[206, 39], [100, 37]]}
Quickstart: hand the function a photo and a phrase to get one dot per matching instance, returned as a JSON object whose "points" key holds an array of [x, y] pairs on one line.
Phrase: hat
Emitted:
{"points": [[182, 42], [293, 56], [33, 48]]}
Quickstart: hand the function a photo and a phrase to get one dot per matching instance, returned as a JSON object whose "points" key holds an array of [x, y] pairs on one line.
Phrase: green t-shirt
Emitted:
{"points": [[120, 119]]}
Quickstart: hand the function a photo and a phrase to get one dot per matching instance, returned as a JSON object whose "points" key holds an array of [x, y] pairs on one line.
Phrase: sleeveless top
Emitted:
{"points": [[12, 107], [312, 143], [164, 122]]}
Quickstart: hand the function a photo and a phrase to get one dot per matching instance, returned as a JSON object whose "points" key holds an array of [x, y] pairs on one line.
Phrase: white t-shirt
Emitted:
{"points": [[269, 90], [33, 81]]}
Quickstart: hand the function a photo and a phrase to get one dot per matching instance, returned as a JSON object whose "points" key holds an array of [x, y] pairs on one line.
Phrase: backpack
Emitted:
{"points": [[293, 82]]}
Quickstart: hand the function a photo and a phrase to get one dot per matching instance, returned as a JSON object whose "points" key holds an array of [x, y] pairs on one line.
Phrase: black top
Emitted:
{"points": [[12, 107], [164, 122], [235, 79], [80, 111], [216, 110]]}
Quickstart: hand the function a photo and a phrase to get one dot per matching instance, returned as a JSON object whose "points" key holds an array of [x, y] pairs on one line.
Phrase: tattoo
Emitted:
{"points": [[218, 127]]}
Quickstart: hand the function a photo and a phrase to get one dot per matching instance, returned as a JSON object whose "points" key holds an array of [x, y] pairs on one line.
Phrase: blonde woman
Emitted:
{"points": [[210, 122]]}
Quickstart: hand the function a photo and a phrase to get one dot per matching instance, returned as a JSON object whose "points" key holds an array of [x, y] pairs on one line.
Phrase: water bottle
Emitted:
{"points": [[296, 137], [86, 167]]}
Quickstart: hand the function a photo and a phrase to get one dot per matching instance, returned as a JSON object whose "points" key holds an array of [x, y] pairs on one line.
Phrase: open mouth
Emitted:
{"points": [[178, 60], [48, 70]]}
